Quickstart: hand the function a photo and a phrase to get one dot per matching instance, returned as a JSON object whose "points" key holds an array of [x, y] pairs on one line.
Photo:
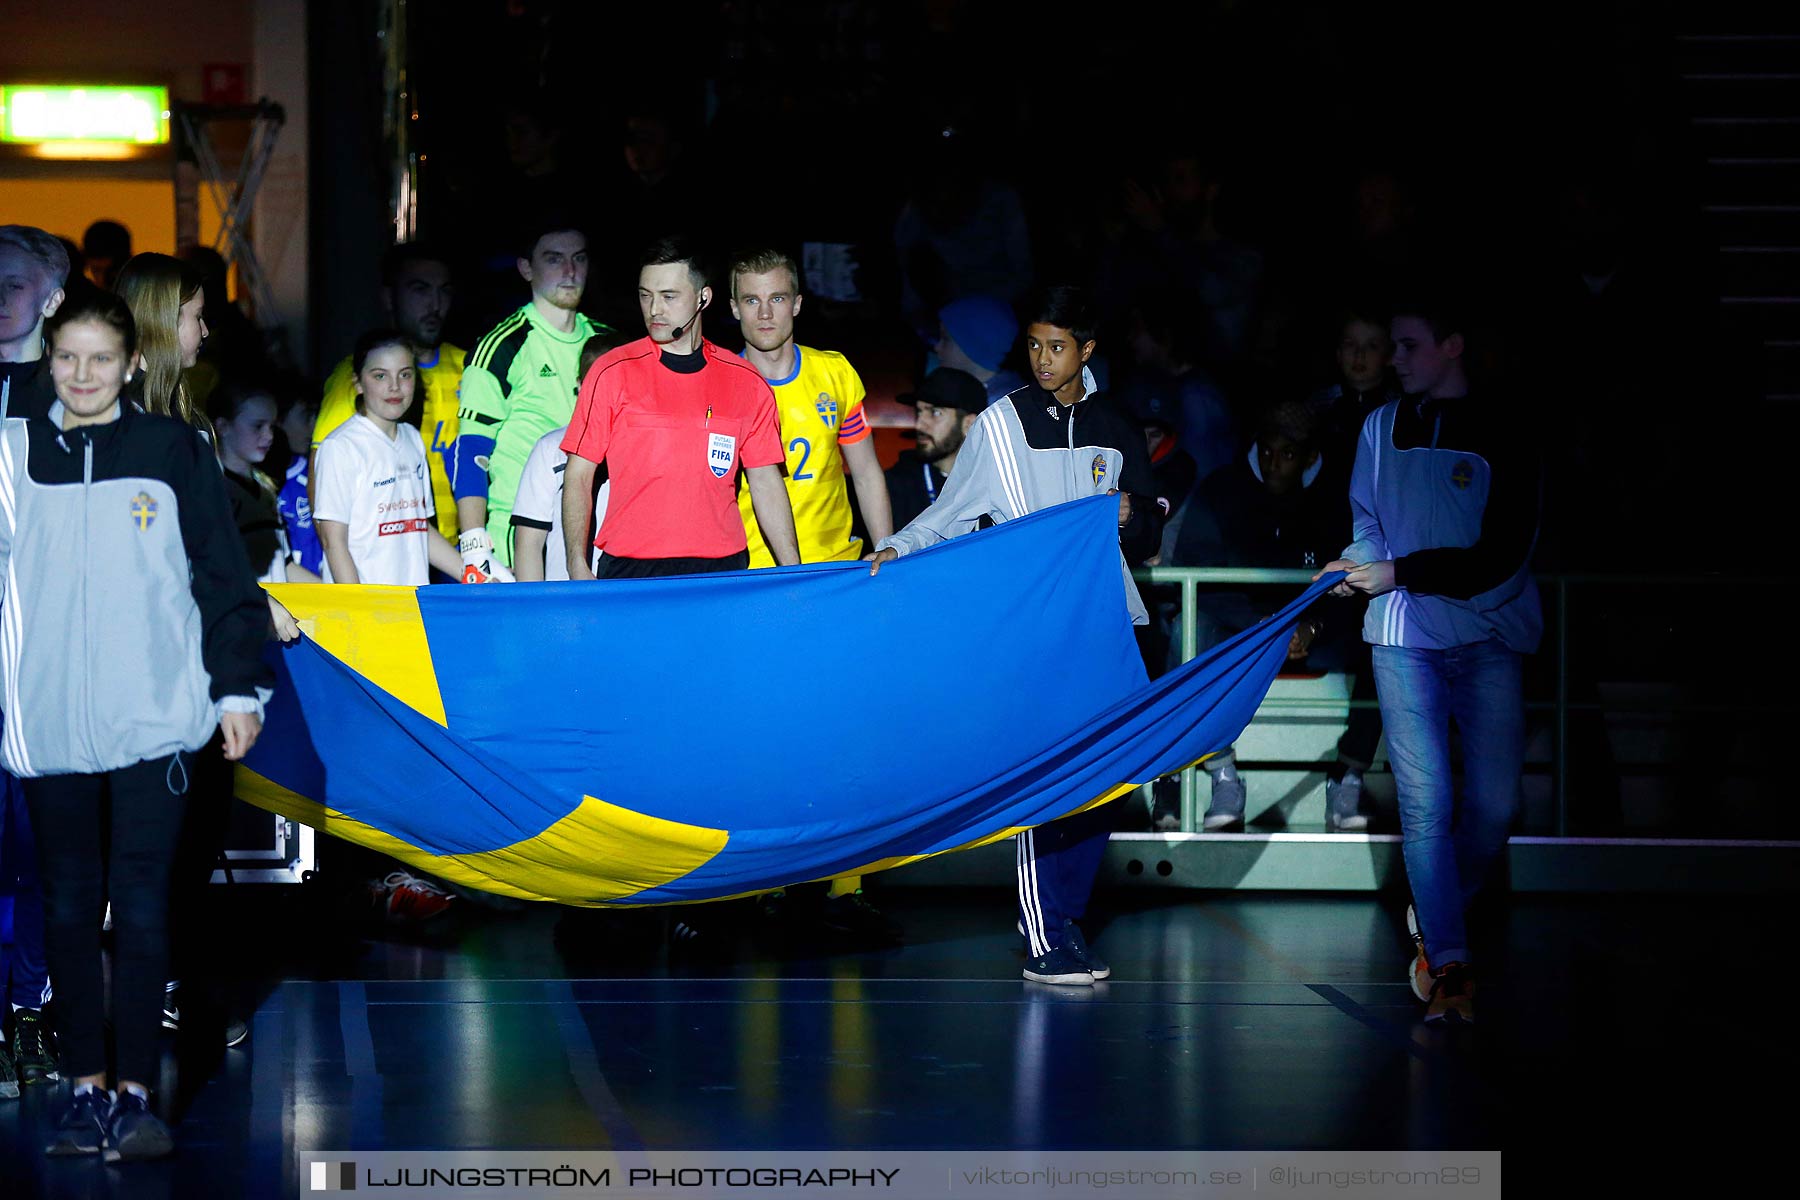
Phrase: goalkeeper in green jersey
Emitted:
{"points": [[518, 385]]}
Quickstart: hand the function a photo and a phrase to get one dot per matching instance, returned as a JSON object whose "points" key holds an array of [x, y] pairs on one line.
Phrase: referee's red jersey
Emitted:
{"points": [[673, 442]]}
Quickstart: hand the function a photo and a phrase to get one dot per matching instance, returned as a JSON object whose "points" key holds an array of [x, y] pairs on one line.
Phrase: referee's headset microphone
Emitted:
{"points": [[683, 328]]}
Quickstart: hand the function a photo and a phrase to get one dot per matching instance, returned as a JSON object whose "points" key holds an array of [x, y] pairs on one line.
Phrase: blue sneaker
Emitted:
{"points": [[1225, 811], [1074, 941], [82, 1127], [134, 1132], [1059, 966]]}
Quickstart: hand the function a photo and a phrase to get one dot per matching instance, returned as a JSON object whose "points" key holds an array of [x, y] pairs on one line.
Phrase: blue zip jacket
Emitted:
{"points": [[1450, 491]]}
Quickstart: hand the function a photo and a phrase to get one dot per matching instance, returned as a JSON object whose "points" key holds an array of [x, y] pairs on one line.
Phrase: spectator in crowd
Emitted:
{"points": [[106, 247], [519, 384], [76, 281], [1364, 384], [1383, 219], [975, 334], [646, 185], [1176, 241], [1046, 444], [296, 414], [961, 232], [1167, 330], [1269, 508], [33, 267], [947, 402], [167, 299], [1149, 403], [539, 550], [372, 477], [234, 351], [650, 411], [108, 815], [1445, 502], [415, 294], [243, 419]]}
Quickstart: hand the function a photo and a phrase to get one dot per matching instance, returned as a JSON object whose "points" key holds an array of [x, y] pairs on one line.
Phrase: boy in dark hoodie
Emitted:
{"points": [[1270, 508]]}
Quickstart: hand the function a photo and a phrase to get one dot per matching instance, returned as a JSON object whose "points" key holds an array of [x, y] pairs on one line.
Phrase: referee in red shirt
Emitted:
{"points": [[673, 417]]}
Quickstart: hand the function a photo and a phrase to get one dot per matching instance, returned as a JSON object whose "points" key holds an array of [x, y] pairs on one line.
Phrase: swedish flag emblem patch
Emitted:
{"points": [[143, 511]]}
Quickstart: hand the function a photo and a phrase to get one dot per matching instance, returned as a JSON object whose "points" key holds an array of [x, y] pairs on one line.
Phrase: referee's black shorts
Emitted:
{"points": [[614, 567]]}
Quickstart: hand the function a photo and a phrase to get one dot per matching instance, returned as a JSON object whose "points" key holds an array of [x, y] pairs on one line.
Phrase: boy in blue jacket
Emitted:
{"points": [[1444, 498]]}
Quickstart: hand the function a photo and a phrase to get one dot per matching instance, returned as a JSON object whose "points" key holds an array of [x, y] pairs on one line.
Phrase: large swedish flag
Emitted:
{"points": [[663, 740]]}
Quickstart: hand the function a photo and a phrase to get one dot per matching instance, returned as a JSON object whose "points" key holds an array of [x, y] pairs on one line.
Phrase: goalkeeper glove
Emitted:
{"points": [[478, 558]]}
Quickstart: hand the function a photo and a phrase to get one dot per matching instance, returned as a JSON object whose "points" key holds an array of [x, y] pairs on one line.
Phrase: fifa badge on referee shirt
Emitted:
{"points": [[721, 451]]}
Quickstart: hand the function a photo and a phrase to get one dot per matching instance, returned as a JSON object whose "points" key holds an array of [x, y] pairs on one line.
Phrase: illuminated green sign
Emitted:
{"points": [[136, 115]]}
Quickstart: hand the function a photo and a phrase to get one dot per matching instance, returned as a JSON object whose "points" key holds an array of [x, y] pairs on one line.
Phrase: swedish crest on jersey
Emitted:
{"points": [[143, 511], [828, 410], [1098, 466]]}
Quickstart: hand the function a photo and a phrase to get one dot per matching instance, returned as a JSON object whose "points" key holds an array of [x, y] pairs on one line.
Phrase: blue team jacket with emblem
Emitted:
{"points": [[1449, 490], [129, 614], [1026, 452]]}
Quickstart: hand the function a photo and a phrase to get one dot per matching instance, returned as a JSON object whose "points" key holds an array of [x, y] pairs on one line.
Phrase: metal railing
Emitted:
{"points": [[1555, 591]]}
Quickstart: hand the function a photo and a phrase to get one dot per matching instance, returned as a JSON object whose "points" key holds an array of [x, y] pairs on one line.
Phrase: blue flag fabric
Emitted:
{"points": [[663, 740]]}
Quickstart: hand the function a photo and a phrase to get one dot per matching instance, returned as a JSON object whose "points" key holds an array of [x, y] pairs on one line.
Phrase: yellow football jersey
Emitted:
{"points": [[437, 422], [821, 410]]}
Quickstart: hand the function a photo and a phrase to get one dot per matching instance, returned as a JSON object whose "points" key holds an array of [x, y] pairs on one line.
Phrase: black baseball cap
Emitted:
{"points": [[948, 387]]}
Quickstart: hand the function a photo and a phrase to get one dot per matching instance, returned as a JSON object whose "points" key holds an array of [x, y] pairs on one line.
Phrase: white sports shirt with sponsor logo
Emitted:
{"points": [[380, 488], [539, 502]]}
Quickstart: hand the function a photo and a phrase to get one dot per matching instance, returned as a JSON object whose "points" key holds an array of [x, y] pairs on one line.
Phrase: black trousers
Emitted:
{"points": [[98, 837], [194, 950], [614, 567]]}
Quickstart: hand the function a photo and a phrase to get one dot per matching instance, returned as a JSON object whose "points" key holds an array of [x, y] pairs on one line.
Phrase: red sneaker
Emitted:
{"points": [[405, 899]]}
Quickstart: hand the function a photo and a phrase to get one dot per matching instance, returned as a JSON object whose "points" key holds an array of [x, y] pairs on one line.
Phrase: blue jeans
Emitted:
{"points": [[1449, 846]]}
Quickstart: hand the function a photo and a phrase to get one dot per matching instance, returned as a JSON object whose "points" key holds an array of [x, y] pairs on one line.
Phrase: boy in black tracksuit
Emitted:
{"points": [[1048, 443]]}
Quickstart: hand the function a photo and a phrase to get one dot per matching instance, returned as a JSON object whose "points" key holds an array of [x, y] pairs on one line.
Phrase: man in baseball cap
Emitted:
{"points": [[948, 402]]}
